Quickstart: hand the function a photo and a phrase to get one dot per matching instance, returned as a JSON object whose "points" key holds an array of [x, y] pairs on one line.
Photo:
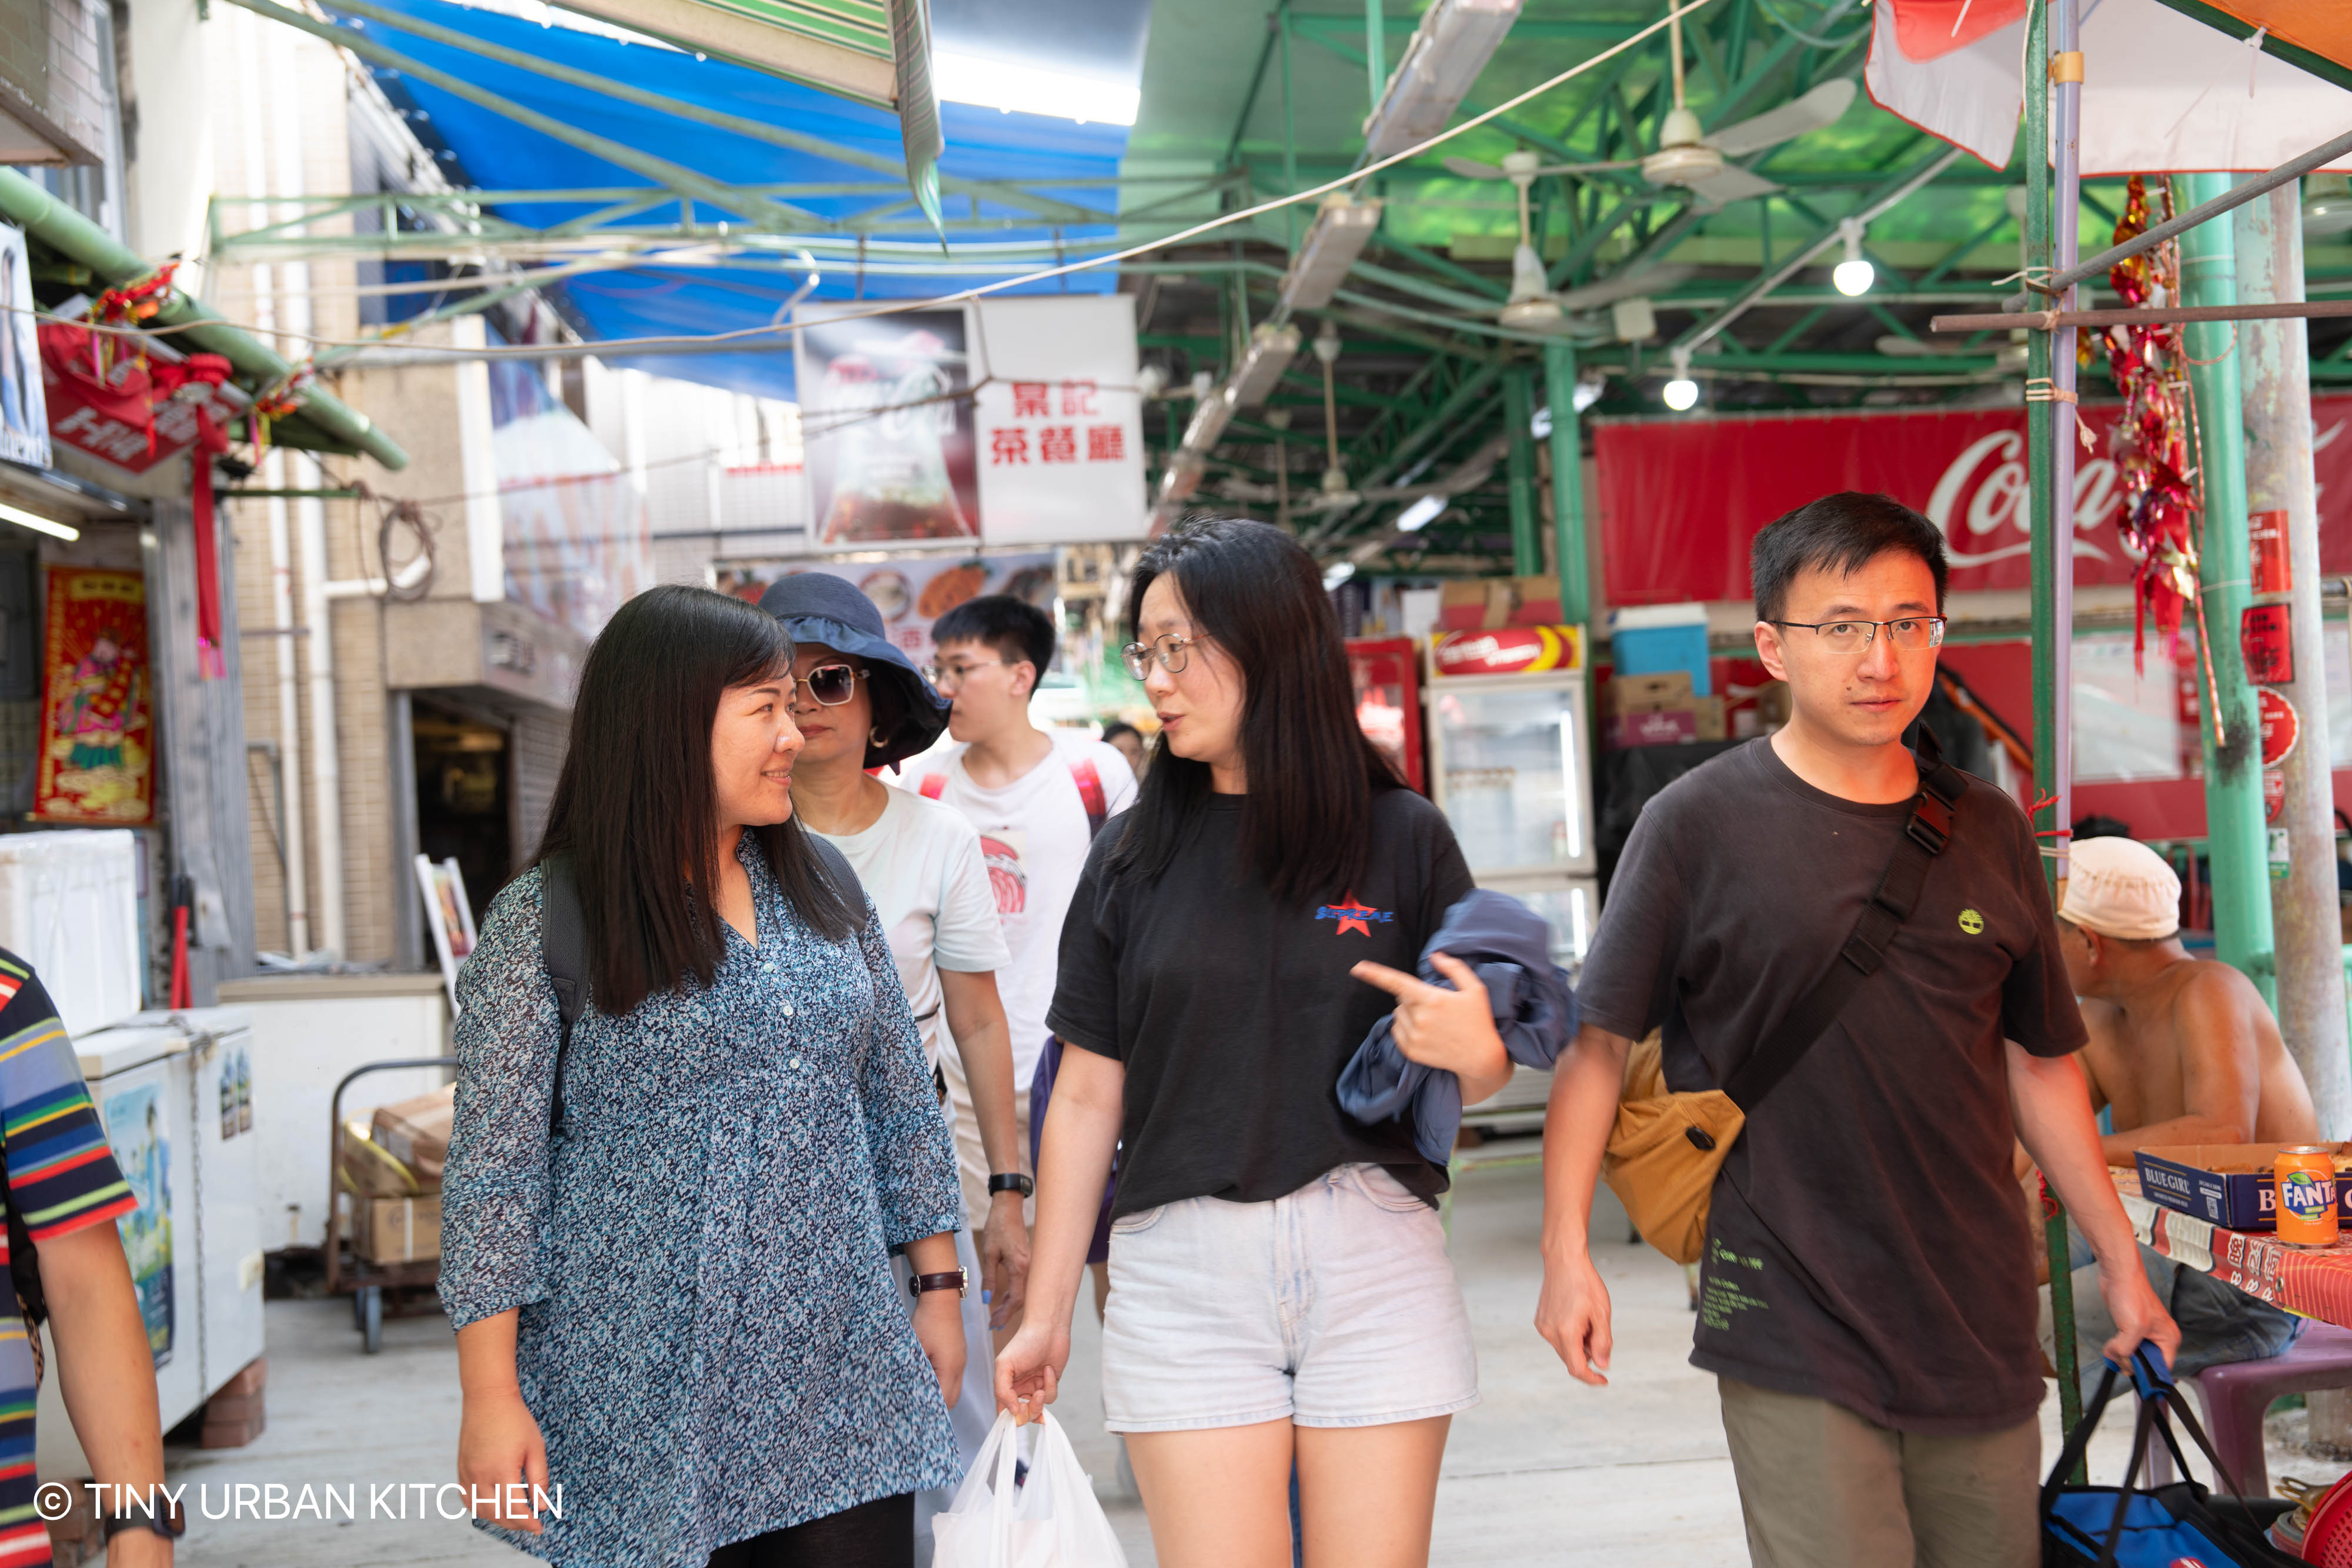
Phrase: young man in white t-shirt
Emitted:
{"points": [[1037, 800]]}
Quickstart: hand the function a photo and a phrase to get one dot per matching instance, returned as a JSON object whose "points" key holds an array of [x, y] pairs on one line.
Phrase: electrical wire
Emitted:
{"points": [[893, 308], [1820, 43]]}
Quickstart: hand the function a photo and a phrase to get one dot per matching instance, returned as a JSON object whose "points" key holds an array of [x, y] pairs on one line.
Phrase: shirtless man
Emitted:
{"points": [[2182, 1050]]}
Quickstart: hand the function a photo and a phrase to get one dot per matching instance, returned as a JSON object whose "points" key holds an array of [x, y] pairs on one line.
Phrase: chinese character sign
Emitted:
{"points": [[887, 423], [1061, 432], [911, 591], [97, 759]]}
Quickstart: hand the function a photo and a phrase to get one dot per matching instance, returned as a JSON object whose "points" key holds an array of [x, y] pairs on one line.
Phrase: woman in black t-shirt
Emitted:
{"points": [[1280, 1290]]}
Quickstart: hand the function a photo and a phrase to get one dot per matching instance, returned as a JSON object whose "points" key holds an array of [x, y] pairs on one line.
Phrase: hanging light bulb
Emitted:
{"points": [[1853, 275], [1682, 393]]}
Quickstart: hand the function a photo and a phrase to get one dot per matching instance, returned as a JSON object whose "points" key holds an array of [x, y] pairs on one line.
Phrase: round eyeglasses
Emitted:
{"points": [[1912, 634], [1172, 652], [832, 685]]}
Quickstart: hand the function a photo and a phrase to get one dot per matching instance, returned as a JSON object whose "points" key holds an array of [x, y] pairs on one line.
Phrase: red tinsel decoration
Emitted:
{"points": [[2151, 441]]}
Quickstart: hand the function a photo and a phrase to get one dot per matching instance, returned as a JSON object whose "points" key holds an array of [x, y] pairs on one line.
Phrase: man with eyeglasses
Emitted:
{"points": [[1867, 1296], [1038, 798]]}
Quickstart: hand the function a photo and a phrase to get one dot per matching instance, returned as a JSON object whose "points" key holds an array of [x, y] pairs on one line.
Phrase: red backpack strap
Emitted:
{"points": [[934, 785], [1090, 792]]}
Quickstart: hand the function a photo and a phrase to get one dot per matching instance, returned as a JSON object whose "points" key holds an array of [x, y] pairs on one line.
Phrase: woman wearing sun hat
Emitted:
{"points": [[861, 704]]}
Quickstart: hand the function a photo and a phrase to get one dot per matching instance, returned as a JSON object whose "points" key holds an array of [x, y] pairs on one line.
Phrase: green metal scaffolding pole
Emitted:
{"points": [[1518, 411], [2236, 835], [2053, 539], [1567, 484]]}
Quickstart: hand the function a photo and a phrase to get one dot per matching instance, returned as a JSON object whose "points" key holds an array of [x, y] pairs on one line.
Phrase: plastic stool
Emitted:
{"points": [[2235, 1397]]}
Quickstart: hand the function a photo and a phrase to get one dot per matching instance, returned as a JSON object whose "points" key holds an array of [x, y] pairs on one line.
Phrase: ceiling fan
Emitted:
{"points": [[1532, 306], [1685, 157]]}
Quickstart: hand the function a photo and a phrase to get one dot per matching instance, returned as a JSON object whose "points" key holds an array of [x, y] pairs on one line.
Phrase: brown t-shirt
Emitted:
{"points": [[1864, 1244]]}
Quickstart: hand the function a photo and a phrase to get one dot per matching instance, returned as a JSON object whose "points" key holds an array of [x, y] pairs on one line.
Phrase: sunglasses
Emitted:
{"points": [[832, 685]]}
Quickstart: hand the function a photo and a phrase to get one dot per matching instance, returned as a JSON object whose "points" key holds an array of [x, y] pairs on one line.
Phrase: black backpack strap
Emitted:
{"points": [[836, 866], [563, 951], [1933, 812]]}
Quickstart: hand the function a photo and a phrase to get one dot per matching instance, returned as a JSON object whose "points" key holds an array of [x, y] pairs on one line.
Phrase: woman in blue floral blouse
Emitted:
{"points": [[671, 1282]]}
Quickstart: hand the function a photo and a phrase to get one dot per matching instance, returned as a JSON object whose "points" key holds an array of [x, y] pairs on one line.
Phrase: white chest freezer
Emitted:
{"points": [[174, 1091]]}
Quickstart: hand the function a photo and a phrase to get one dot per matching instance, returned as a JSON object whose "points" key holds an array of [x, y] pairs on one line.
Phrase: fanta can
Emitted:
{"points": [[2307, 1196]]}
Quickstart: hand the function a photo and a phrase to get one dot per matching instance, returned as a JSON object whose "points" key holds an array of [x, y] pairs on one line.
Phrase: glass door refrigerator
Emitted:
{"points": [[1511, 766]]}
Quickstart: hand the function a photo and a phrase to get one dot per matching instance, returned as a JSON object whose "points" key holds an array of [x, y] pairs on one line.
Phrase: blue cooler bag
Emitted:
{"points": [[2159, 1527]]}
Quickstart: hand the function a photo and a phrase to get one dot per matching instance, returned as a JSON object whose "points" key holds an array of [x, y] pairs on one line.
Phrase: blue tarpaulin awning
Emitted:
{"points": [[484, 150]]}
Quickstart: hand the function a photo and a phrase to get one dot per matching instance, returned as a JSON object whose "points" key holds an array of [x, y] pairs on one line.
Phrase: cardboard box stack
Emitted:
{"points": [[392, 1168], [1490, 603], [1657, 710]]}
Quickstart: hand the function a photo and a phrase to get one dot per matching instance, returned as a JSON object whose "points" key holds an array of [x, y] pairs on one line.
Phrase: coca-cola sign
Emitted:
{"points": [[1680, 499]]}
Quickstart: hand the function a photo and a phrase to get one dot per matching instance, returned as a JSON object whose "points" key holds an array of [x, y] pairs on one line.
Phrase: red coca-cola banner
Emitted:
{"points": [[1680, 499]]}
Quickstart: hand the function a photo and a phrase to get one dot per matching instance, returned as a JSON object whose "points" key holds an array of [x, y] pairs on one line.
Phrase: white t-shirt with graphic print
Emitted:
{"points": [[922, 867], [1034, 839]]}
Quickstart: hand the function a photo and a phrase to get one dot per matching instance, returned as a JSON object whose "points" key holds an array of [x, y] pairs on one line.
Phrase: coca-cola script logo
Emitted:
{"points": [[1983, 500]]}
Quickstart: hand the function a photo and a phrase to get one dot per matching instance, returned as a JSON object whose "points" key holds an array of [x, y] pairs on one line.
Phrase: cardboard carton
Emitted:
{"points": [[416, 1132], [1654, 727], [399, 1229], [372, 1170], [2234, 1185], [1660, 692]]}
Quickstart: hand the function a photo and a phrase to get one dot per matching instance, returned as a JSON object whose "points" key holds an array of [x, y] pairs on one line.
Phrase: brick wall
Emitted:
{"points": [[51, 76]]}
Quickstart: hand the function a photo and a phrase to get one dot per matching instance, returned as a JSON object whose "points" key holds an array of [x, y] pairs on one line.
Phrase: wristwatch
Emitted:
{"points": [[1014, 1182], [167, 1521], [958, 1281]]}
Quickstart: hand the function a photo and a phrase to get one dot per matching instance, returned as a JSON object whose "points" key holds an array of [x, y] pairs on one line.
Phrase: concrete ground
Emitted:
{"points": [[1546, 1471]]}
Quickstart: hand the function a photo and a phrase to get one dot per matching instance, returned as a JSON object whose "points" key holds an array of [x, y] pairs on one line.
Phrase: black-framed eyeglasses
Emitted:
{"points": [[1174, 653], [946, 676], [832, 685], [1912, 634]]}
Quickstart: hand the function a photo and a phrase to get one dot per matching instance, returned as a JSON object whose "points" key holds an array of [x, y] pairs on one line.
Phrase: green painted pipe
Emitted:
{"points": [[1567, 484], [1519, 465], [2234, 824], [64, 230]]}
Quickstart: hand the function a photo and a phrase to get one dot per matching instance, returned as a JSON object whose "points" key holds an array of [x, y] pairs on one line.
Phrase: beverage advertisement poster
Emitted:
{"points": [[24, 407], [97, 757], [911, 591], [136, 1128], [887, 428], [577, 545]]}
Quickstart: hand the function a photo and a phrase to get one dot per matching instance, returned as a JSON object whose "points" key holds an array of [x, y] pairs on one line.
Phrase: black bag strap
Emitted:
{"points": [[563, 951], [1933, 812]]}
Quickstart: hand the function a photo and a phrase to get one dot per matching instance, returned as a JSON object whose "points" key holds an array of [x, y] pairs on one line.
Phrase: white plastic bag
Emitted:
{"points": [[1050, 1520]]}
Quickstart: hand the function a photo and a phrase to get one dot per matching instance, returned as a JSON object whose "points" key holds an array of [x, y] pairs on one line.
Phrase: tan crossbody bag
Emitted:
{"points": [[1667, 1147]]}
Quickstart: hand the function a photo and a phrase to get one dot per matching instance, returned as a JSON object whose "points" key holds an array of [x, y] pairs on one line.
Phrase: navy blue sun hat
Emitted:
{"points": [[816, 607]]}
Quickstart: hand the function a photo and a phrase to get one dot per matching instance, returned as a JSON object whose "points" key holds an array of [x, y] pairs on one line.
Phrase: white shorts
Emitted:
{"points": [[1335, 1306]]}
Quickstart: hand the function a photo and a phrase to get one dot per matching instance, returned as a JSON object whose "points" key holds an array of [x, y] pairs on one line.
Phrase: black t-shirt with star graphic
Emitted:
{"points": [[1235, 1013]]}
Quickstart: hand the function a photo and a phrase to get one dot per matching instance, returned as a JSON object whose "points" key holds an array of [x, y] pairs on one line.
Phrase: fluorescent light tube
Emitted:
{"points": [[1209, 420], [1452, 45], [39, 525], [1333, 243], [1271, 349], [1419, 516], [1001, 85]]}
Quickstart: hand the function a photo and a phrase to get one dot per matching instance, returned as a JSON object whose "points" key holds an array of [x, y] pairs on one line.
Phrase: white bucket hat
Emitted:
{"points": [[2120, 887]]}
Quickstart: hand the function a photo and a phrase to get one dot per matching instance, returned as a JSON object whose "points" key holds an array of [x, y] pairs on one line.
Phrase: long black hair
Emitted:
{"points": [[636, 807], [1311, 772]]}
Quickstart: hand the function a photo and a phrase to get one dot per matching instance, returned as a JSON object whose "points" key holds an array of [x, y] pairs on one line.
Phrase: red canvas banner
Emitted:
{"points": [[1680, 499]]}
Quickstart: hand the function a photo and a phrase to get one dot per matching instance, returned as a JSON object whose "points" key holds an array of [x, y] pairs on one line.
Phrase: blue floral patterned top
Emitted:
{"points": [[710, 1339]]}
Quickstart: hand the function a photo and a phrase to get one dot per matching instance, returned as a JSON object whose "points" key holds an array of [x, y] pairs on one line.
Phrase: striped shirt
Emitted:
{"points": [[61, 1176]]}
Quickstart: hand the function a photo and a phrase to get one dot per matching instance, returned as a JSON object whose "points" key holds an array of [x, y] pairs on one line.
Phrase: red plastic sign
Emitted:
{"points": [[2273, 793], [2273, 570], [2265, 636], [1509, 651], [2282, 725]]}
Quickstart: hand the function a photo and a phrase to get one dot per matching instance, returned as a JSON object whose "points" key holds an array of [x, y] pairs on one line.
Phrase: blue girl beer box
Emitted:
{"points": [[2230, 1185]]}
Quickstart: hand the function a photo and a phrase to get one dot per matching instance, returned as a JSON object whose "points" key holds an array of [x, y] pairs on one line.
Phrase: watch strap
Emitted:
{"points": [[1012, 1181], [922, 1283], [167, 1520]]}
